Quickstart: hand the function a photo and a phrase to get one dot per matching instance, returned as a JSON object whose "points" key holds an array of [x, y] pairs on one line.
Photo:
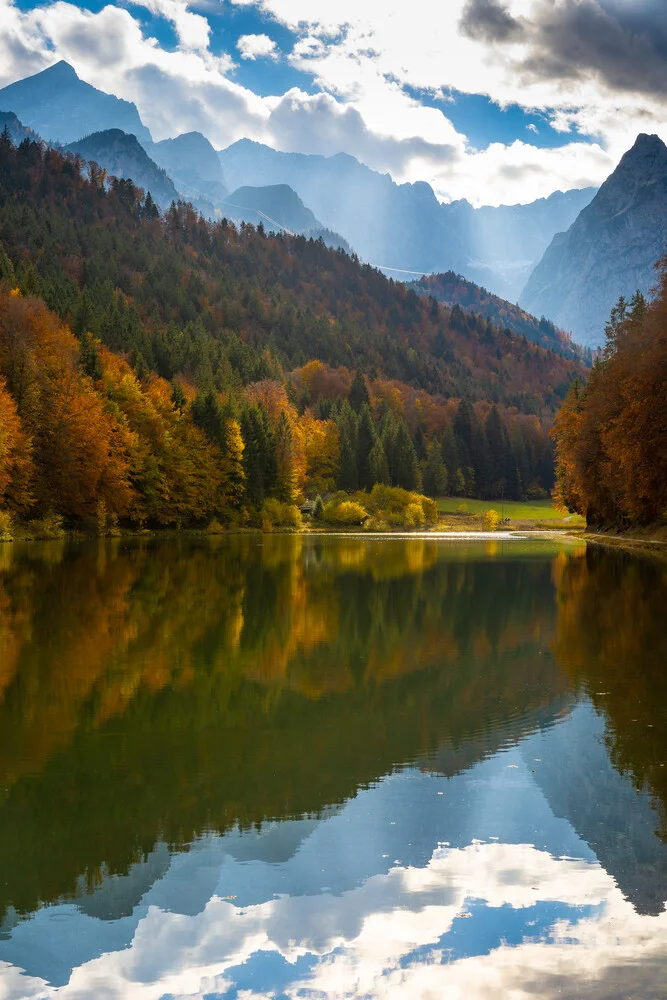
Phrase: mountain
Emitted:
{"points": [[121, 155], [611, 248], [404, 226], [191, 296], [389, 225], [192, 162], [454, 290], [63, 108], [277, 206], [17, 130], [505, 243]]}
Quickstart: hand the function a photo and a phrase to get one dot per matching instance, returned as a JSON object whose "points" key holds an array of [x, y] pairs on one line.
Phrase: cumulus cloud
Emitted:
{"points": [[256, 47], [490, 21], [594, 68], [383, 939]]}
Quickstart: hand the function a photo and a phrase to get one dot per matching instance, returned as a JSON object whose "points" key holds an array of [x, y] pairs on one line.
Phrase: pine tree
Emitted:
{"points": [[404, 463], [358, 395], [435, 473], [348, 471], [366, 438], [287, 476], [377, 463]]}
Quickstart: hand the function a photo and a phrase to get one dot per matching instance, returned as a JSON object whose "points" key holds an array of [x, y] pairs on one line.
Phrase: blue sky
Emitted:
{"points": [[499, 101]]}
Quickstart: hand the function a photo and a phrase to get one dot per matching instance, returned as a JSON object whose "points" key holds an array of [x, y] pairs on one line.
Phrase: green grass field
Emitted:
{"points": [[516, 510]]}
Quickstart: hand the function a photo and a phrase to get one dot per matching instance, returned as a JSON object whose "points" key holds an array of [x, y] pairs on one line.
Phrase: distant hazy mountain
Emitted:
{"points": [[277, 206], [388, 224], [62, 108], [17, 130], [454, 290], [404, 225], [123, 156], [192, 162], [276, 203], [611, 248], [505, 243]]}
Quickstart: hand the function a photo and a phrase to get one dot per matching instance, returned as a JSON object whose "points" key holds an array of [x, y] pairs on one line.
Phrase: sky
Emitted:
{"points": [[496, 101]]}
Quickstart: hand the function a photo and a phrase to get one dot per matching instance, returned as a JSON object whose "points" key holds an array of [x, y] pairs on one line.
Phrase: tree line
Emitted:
{"points": [[611, 434], [167, 370]]}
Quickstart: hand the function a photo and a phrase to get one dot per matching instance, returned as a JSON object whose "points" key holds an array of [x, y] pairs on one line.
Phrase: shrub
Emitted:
{"points": [[214, 528], [47, 527], [401, 508], [6, 534], [491, 520], [344, 512], [276, 514], [414, 515]]}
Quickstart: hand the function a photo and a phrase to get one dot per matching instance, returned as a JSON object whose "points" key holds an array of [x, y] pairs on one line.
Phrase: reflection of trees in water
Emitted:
{"points": [[612, 639], [158, 690]]}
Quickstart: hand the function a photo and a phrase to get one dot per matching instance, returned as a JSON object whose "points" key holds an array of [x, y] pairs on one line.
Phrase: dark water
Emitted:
{"points": [[324, 768]]}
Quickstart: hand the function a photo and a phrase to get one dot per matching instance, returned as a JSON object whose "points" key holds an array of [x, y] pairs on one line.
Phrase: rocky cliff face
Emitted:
{"points": [[400, 226], [121, 155], [192, 162], [610, 249], [63, 108]]}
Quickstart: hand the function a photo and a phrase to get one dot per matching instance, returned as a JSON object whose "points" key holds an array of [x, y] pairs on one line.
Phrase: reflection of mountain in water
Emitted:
{"points": [[156, 693], [154, 696], [617, 821]]}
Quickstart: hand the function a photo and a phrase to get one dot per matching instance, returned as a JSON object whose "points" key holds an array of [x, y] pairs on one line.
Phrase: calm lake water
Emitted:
{"points": [[292, 767]]}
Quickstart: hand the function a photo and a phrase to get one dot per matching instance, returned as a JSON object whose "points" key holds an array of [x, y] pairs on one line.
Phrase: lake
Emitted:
{"points": [[326, 767]]}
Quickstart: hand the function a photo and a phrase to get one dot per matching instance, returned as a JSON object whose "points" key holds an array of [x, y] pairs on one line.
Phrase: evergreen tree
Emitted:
{"points": [[209, 415], [377, 463], [348, 471], [403, 463], [435, 472], [366, 438], [358, 395], [286, 471], [450, 455]]}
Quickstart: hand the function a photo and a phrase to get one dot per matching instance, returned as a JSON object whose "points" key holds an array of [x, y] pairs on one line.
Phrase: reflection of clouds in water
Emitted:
{"points": [[363, 942]]}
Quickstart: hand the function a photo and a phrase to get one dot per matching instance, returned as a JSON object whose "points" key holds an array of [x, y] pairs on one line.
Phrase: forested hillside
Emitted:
{"points": [[454, 290], [612, 435], [172, 369]]}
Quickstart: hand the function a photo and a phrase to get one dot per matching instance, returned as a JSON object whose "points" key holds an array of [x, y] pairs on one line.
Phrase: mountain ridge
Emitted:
{"points": [[123, 156], [37, 102], [610, 249]]}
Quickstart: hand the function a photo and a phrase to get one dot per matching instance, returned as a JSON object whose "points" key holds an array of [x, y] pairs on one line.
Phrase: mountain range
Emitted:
{"points": [[122, 155], [610, 249], [63, 108], [403, 227], [567, 257]]}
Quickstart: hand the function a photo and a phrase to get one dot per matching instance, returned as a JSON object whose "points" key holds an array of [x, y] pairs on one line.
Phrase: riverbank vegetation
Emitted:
{"points": [[168, 371], [611, 435]]}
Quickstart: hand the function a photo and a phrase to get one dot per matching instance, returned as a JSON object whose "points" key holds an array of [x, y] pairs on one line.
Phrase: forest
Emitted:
{"points": [[165, 370], [611, 435]]}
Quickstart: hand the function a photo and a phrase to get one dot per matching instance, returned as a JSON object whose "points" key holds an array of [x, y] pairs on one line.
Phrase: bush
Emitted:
{"points": [[276, 514], [214, 528], [491, 520], [47, 527], [6, 534], [344, 512], [401, 508]]}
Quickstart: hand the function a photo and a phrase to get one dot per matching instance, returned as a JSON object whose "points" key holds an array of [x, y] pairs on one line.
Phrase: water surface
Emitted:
{"points": [[332, 767]]}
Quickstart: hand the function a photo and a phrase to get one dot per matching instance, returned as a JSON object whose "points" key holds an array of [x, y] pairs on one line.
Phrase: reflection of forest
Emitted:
{"points": [[158, 690], [612, 640]]}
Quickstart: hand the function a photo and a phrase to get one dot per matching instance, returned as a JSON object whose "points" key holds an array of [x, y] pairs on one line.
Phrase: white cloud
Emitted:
{"points": [[256, 47], [382, 939], [362, 58]]}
